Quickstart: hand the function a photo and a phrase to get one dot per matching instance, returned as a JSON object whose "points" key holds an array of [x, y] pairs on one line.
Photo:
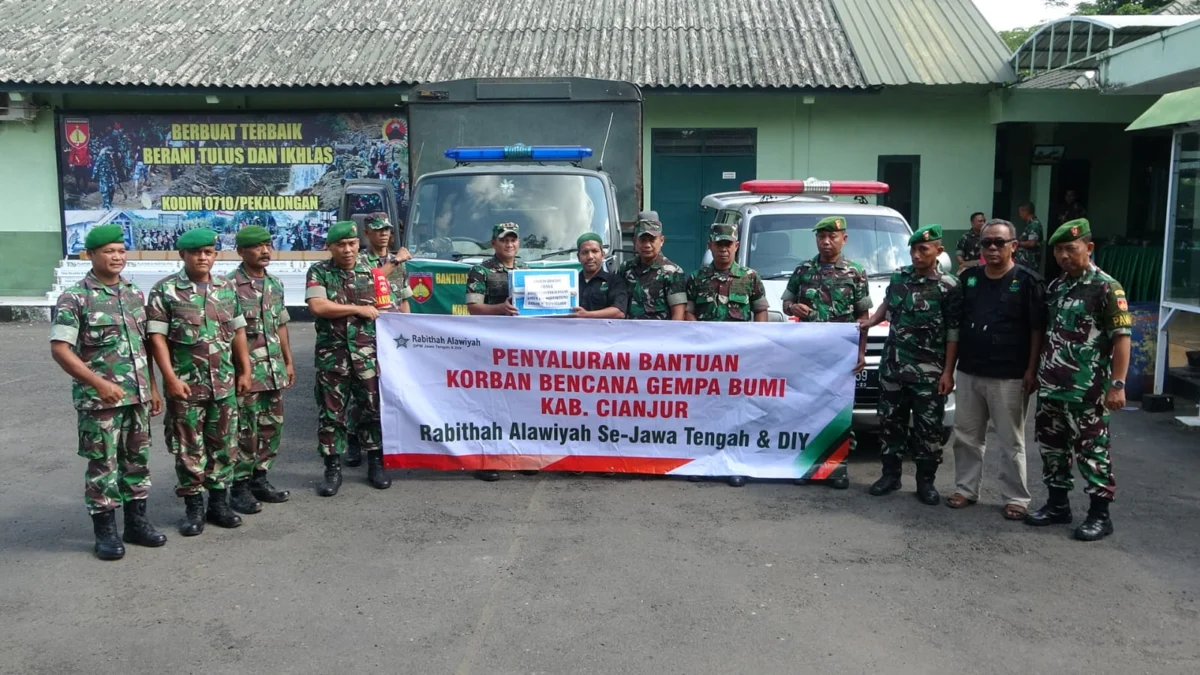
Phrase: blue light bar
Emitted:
{"points": [[535, 153]]}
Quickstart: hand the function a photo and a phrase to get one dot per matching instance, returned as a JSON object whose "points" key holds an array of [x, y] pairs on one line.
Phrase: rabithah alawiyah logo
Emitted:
{"points": [[436, 342]]}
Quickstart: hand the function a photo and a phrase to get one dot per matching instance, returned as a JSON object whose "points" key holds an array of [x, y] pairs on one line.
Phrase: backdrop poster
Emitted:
{"points": [[767, 400], [159, 175]]}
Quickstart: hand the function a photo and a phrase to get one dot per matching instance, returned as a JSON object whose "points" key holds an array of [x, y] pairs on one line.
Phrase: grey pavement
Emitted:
{"points": [[558, 574]]}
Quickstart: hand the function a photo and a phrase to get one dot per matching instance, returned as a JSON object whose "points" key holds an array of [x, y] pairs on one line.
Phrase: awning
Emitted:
{"points": [[1174, 109]]}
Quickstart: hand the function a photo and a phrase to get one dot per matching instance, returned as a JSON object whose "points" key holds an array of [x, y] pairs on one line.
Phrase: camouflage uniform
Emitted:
{"points": [[735, 294], [106, 328], [260, 411], [837, 292], [347, 368], [1031, 258], [925, 314], [969, 247], [653, 288], [399, 276], [199, 327], [1085, 315], [487, 282]]}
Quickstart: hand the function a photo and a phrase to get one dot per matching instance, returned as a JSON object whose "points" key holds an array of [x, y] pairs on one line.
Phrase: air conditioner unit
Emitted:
{"points": [[16, 108]]}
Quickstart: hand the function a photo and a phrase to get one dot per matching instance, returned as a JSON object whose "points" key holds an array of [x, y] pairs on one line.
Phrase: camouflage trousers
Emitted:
{"points": [[260, 425], [1075, 432], [336, 394], [899, 400], [116, 444], [203, 437]]}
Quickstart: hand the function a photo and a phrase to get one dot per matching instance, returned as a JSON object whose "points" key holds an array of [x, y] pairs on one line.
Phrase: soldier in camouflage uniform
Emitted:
{"points": [[830, 288], [378, 254], [969, 251], [98, 339], [924, 306], [1081, 379], [657, 287], [1029, 242], [340, 292], [725, 291], [260, 410], [105, 173], [488, 294], [197, 335]]}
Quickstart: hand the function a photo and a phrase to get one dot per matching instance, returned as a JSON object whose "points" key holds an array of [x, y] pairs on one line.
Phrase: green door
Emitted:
{"points": [[686, 165]]}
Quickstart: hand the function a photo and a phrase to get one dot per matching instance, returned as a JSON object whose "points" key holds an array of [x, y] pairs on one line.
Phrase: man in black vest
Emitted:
{"points": [[1001, 336]]}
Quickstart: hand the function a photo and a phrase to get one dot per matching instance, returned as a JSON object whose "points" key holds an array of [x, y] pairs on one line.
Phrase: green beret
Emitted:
{"points": [[253, 235], [1071, 231], [722, 232], [103, 236], [830, 224], [504, 229], [589, 236], [197, 238], [343, 229], [927, 233]]}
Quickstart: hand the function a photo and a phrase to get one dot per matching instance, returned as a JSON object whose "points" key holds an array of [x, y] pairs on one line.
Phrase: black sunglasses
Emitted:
{"points": [[995, 243]]}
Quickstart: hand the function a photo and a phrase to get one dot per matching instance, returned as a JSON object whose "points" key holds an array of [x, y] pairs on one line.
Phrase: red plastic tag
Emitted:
{"points": [[383, 289]]}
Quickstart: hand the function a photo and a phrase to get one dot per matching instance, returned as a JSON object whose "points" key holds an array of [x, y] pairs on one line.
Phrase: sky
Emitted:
{"points": [[1009, 14]]}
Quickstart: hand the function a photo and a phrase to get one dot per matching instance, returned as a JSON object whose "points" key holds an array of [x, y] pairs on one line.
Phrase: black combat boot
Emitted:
{"points": [[735, 481], [529, 472], [241, 500], [353, 451], [488, 475], [219, 513], [1057, 510], [1097, 525], [375, 473], [108, 544], [926, 492], [333, 476], [138, 530], [890, 480], [193, 520], [263, 491]]}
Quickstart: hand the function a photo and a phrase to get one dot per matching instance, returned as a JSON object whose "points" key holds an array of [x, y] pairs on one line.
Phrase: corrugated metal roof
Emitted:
{"points": [[901, 42], [236, 43], [1066, 78], [1180, 7]]}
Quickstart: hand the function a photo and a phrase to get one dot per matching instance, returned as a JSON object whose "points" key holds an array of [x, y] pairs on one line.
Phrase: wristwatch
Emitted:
{"points": [[1118, 384]]}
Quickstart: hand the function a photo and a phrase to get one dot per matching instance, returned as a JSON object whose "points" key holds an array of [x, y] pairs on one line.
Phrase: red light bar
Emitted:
{"points": [[813, 186]]}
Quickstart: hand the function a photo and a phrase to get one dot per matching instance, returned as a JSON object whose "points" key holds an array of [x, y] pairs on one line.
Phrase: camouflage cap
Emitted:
{"points": [[343, 229], [378, 224], [253, 235], [1070, 231], [103, 236], [722, 232], [197, 238], [648, 223], [504, 229], [830, 224], [925, 234]]}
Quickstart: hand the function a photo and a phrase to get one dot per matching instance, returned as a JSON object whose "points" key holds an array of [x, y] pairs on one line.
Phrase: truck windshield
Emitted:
{"points": [[779, 242], [453, 215]]}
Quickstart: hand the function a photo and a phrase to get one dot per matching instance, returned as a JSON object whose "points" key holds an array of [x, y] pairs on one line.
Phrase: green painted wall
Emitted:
{"points": [[841, 136], [837, 136]]}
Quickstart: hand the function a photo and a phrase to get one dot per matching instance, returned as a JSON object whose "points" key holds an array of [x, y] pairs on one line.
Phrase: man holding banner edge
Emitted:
{"points": [[830, 288]]}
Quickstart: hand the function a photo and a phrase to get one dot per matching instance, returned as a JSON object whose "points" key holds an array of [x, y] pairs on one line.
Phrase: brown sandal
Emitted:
{"points": [[1015, 512], [957, 501]]}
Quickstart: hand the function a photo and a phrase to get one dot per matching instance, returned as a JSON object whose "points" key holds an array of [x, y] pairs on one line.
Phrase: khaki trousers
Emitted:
{"points": [[1004, 404]]}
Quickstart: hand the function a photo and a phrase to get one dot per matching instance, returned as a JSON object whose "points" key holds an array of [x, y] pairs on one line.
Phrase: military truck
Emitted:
{"points": [[559, 157]]}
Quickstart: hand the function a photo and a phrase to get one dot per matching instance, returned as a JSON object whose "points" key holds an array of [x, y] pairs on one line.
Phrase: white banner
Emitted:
{"points": [[766, 400]]}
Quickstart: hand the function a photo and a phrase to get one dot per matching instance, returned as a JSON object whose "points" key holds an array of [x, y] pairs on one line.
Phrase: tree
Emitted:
{"points": [[1111, 7], [1016, 37]]}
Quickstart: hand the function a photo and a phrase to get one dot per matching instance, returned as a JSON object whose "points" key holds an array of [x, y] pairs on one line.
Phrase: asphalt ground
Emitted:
{"points": [[560, 574]]}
